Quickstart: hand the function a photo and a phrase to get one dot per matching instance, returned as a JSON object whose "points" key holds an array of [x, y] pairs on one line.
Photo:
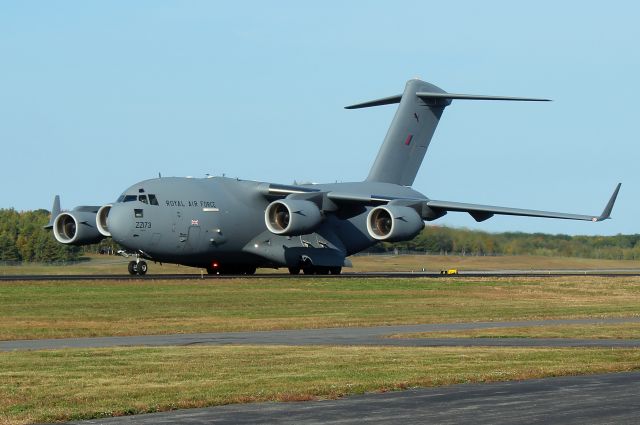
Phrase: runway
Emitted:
{"points": [[597, 399], [373, 336], [617, 273]]}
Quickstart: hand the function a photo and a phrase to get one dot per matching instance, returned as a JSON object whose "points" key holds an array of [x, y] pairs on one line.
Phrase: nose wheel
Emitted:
{"points": [[138, 267]]}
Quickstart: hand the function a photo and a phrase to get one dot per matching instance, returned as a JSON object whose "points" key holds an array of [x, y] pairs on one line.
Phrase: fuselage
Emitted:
{"points": [[201, 222]]}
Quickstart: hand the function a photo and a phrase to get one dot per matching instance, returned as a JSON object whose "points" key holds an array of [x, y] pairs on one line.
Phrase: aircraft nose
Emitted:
{"points": [[119, 221]]}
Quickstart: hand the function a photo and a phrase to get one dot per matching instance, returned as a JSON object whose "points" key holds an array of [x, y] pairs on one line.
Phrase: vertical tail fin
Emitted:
{"points": [[415, 121], [408, 136]]}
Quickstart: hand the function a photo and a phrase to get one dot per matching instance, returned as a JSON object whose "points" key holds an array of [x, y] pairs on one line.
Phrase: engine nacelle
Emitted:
{"points": [[76, 228], [393, 223], [101, 220], [292, 217]]}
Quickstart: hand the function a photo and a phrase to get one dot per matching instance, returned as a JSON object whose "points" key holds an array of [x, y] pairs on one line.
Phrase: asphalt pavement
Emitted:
{"points": [[376, 335], [596, 399]]}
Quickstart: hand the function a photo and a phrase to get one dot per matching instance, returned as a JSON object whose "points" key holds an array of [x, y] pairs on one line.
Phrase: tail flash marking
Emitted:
{"points": [[407, 142]]}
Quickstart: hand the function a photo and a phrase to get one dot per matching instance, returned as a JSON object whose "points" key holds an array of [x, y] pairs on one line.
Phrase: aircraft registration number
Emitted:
{"points": [[143, 225]]}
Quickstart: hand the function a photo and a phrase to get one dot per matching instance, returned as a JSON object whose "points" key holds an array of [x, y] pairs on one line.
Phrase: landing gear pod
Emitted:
{"points": [[391, 223], [292, 217]]}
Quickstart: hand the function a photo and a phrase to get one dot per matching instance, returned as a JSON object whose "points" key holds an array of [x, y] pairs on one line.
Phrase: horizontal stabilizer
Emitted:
{"points": [[446, 96], [451, 96], [378, 102]]}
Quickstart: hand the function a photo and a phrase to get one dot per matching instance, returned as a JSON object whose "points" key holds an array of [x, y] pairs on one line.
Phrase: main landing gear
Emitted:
{"points": [[138, 267], [307, 267], [315, 270]]}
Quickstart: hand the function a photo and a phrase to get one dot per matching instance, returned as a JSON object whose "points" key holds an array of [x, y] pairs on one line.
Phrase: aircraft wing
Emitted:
{"points": [[431, 209], [483, 212]]}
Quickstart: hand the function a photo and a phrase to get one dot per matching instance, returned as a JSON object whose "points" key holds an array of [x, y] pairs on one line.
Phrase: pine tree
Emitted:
{"points": [[8, 248]]}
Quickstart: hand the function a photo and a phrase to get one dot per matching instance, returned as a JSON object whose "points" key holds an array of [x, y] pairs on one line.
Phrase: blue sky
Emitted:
{"points": [[95, 96]]}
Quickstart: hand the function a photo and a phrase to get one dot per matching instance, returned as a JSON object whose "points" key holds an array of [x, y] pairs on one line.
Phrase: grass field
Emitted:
{"points": [[78, 309], [469, 262], [599, 331], [57, 385], [79, 384], [92, 264], [101, 264]]}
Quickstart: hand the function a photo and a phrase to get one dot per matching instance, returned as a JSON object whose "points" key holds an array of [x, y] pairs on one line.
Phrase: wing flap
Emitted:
{"points": [[483, 212]]}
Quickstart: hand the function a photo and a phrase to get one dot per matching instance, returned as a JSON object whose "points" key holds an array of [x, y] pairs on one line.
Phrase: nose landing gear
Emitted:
{"points": [[138, 267]]}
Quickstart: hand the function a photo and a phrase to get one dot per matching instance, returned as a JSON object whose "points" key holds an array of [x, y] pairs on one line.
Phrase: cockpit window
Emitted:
{"points": [[152, 199]]}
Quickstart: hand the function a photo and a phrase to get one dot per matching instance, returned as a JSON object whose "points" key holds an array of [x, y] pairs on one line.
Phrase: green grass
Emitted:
{"points": [[74, 309], [61, 385], [92, 264], [79, 384], [582, 331], [106, 264], [471, 262]]}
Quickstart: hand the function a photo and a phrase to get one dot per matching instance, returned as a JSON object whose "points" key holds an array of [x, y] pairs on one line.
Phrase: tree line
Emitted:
{"points": [[23, 238], [456, 241]]}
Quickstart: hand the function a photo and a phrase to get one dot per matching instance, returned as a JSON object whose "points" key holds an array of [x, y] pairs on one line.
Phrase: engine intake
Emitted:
{"points": [[101, 220], [76, 228], [292, 217], [393, 223]]}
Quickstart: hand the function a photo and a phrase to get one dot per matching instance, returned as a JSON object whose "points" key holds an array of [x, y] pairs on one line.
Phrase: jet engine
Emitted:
{"points": [[393, 223], [292, 217], [101, 220], [76, 228]]}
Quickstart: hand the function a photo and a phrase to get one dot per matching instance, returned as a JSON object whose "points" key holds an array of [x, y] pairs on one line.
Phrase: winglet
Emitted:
{"points": [[606, 213], [55, 210]]}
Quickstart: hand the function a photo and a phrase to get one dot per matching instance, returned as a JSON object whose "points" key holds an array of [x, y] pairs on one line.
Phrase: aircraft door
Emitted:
{"points": [[179, 229], [193, 238]]}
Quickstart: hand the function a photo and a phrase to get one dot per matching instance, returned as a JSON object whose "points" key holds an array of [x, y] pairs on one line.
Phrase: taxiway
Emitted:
{"points": [[375, 335], [596, 399]]}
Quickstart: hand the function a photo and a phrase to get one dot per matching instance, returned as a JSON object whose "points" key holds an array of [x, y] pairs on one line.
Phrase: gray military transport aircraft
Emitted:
{"points": [[233, 226]]}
